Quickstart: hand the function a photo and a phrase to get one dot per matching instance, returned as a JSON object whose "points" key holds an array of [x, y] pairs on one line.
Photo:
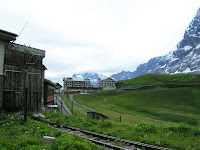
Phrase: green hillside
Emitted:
{"points": [[155, 79], [166, 114], [170, 105], [160, 103]]}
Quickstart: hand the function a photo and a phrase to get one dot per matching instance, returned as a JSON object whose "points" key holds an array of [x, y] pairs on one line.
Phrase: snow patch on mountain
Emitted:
{"points": [[188, 47], [184, 59]]}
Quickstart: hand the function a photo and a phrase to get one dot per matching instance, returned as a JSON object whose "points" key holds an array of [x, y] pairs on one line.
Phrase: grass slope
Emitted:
{"points": [[171, 105], [161, 115], [180, 136], [170, 110], [155, 78], [16, 134]]}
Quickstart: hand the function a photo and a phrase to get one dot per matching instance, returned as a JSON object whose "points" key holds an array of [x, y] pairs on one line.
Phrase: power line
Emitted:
{"points": [[22, 29]]}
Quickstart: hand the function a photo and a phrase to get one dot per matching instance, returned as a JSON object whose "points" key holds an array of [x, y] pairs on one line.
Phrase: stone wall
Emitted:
{"points": [[95, 115]]}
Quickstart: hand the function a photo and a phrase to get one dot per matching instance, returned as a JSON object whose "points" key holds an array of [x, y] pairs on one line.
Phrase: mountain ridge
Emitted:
{"points": [[184, 59]]}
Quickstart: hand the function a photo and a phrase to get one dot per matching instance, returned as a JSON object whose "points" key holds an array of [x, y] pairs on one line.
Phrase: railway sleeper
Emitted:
{"points": [[106, 137]]}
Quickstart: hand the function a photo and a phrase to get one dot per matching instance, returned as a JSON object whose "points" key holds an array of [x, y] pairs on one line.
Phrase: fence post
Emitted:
{"points": [[72, 99], [72, 105]]}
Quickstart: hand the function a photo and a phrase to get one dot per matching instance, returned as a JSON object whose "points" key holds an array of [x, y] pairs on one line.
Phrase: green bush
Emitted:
{"points": [[106, 124], [145, 128], [179, 128]]}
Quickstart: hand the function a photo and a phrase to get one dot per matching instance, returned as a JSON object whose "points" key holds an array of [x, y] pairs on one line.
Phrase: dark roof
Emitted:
{"points": [[49, 82], [44, 67], [25, 49], [7, 36], [58, 86]]}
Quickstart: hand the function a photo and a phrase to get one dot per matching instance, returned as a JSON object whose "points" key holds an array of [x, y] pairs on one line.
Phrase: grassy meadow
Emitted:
{"points": [[153, 106], [159, 104], [167, 113], [15, 134]]}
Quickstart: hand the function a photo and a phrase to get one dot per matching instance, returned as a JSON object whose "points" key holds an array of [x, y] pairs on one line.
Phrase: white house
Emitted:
{"points": [[106, 84]]}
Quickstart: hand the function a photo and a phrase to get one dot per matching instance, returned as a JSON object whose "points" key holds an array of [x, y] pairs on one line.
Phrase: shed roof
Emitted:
{"points": [[58, 86], [7, 36], [49, 82], [25, 49]]}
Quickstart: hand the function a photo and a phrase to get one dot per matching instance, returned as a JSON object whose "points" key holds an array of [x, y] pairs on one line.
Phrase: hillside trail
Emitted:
{"points": [[61, 105], [72, 99]]}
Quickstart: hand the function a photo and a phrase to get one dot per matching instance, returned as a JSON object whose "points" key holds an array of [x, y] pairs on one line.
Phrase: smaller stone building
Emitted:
{"points": [[106, 84]]}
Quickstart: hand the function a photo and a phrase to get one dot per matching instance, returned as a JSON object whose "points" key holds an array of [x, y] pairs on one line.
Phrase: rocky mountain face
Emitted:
{"points": [[185, 59], [124, 75]]}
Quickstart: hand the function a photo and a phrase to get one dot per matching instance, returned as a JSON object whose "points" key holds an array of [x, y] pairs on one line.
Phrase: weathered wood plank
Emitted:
{"points": [[14, 81]]}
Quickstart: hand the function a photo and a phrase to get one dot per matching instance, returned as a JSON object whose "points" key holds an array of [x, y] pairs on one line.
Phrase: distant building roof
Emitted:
{"points": [[106, 78], [76, 79]]}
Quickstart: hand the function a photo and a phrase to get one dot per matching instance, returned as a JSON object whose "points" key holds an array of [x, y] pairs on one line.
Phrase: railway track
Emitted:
{"points": [[103, 140]]}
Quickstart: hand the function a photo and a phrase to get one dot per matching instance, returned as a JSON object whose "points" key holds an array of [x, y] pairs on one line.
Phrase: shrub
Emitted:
{"points": [[180, 128], [106, 124], [145, 128]]}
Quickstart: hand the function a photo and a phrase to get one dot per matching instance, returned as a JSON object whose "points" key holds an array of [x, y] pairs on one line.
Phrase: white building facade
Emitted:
{"points": [[106, 84], [70, 84]]}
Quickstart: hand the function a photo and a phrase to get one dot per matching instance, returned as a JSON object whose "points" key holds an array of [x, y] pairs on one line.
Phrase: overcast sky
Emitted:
{"points": [[101, 36]]}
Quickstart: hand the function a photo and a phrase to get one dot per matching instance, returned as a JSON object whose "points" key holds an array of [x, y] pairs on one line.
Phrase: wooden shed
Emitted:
{"points": [[21, 75], [49, 88]]}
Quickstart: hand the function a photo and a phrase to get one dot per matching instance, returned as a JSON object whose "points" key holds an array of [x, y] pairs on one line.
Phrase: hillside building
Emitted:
{"points": [[70, 84], [106, 84]]}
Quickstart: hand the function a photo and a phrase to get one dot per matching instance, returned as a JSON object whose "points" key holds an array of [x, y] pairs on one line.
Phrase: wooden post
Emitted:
{"points": [[26, 92], [72, 105], [61, 105], [25, 104], [72, 99]]}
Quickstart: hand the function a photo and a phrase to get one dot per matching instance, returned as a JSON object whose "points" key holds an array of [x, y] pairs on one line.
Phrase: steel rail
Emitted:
{"points": [[104, 137]]}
